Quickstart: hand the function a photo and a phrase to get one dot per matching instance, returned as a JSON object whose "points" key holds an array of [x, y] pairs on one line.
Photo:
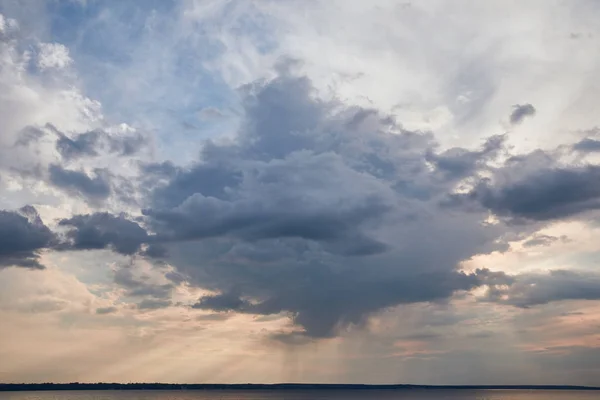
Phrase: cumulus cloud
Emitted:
{"points": [[52, 134], [221, 302], [587, 145], [546, 193], [273, 207], [320, 211], [103, 230], [520, 112], [324, 212], [35, 90], [88, 144], [459, 162], [83, 144], [22, 236], [533, 289], [330, 213], [95, 188], [53, 55]]}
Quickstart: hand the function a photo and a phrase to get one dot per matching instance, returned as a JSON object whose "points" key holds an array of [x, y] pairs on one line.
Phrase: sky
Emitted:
{"points": [[300, 191]]}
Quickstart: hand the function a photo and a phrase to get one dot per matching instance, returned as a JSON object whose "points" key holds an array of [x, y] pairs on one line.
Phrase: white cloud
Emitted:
{"points": [[41, 100], [53, 55], [422, 58]]}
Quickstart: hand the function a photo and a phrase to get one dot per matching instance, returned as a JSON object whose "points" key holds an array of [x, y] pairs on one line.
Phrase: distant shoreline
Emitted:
{"points": [[14, 387]]}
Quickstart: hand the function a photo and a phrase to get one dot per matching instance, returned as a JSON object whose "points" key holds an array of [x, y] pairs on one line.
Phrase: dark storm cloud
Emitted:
{"points": [[321, 212], [221, 302], [459, 162], [103, 230], [94, 189], [274, 208], [545, 194], [22, 236], [528, 290], [329, 214], [520, 112], [587, 145], [208, 180], [323, 303], [155, 251]]}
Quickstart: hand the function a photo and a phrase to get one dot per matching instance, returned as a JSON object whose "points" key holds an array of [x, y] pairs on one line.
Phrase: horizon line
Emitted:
{"points": [[253, 386]]}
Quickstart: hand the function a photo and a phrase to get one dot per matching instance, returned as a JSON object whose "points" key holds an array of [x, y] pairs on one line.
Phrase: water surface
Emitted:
{"points": [[305, 395]]}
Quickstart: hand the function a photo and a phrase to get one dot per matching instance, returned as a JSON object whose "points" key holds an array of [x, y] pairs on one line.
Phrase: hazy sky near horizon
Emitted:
{"points": [[310, 191]]}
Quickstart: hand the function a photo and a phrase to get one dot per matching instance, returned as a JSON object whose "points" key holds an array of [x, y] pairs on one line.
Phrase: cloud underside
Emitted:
{"points": [[529, 290], [325, 212], [520, 112], [23, 236]]}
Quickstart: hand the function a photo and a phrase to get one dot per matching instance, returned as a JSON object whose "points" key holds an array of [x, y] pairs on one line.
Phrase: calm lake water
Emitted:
{"points": [[305, 395]]}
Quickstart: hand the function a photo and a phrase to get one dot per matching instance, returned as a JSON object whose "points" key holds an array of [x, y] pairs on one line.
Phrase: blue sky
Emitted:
{"points": [[310, 191]]}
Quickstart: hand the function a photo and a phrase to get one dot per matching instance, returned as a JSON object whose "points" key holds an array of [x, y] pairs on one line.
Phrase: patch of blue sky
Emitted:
{"points": [[255, 26], [148, 70], [107, 28], [134, 59]]}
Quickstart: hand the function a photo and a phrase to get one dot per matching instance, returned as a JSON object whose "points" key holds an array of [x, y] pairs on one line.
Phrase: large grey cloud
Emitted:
{"points": [[321, 211], [545, 193], [323, 302], [533, 289], [275, 207], [459, 162], [80, 168], [103, 230], [22, 236], [77, 182], [81, 145], [92, 143], [222, 302], [331, 213], [89, 144], [587, 145]]}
